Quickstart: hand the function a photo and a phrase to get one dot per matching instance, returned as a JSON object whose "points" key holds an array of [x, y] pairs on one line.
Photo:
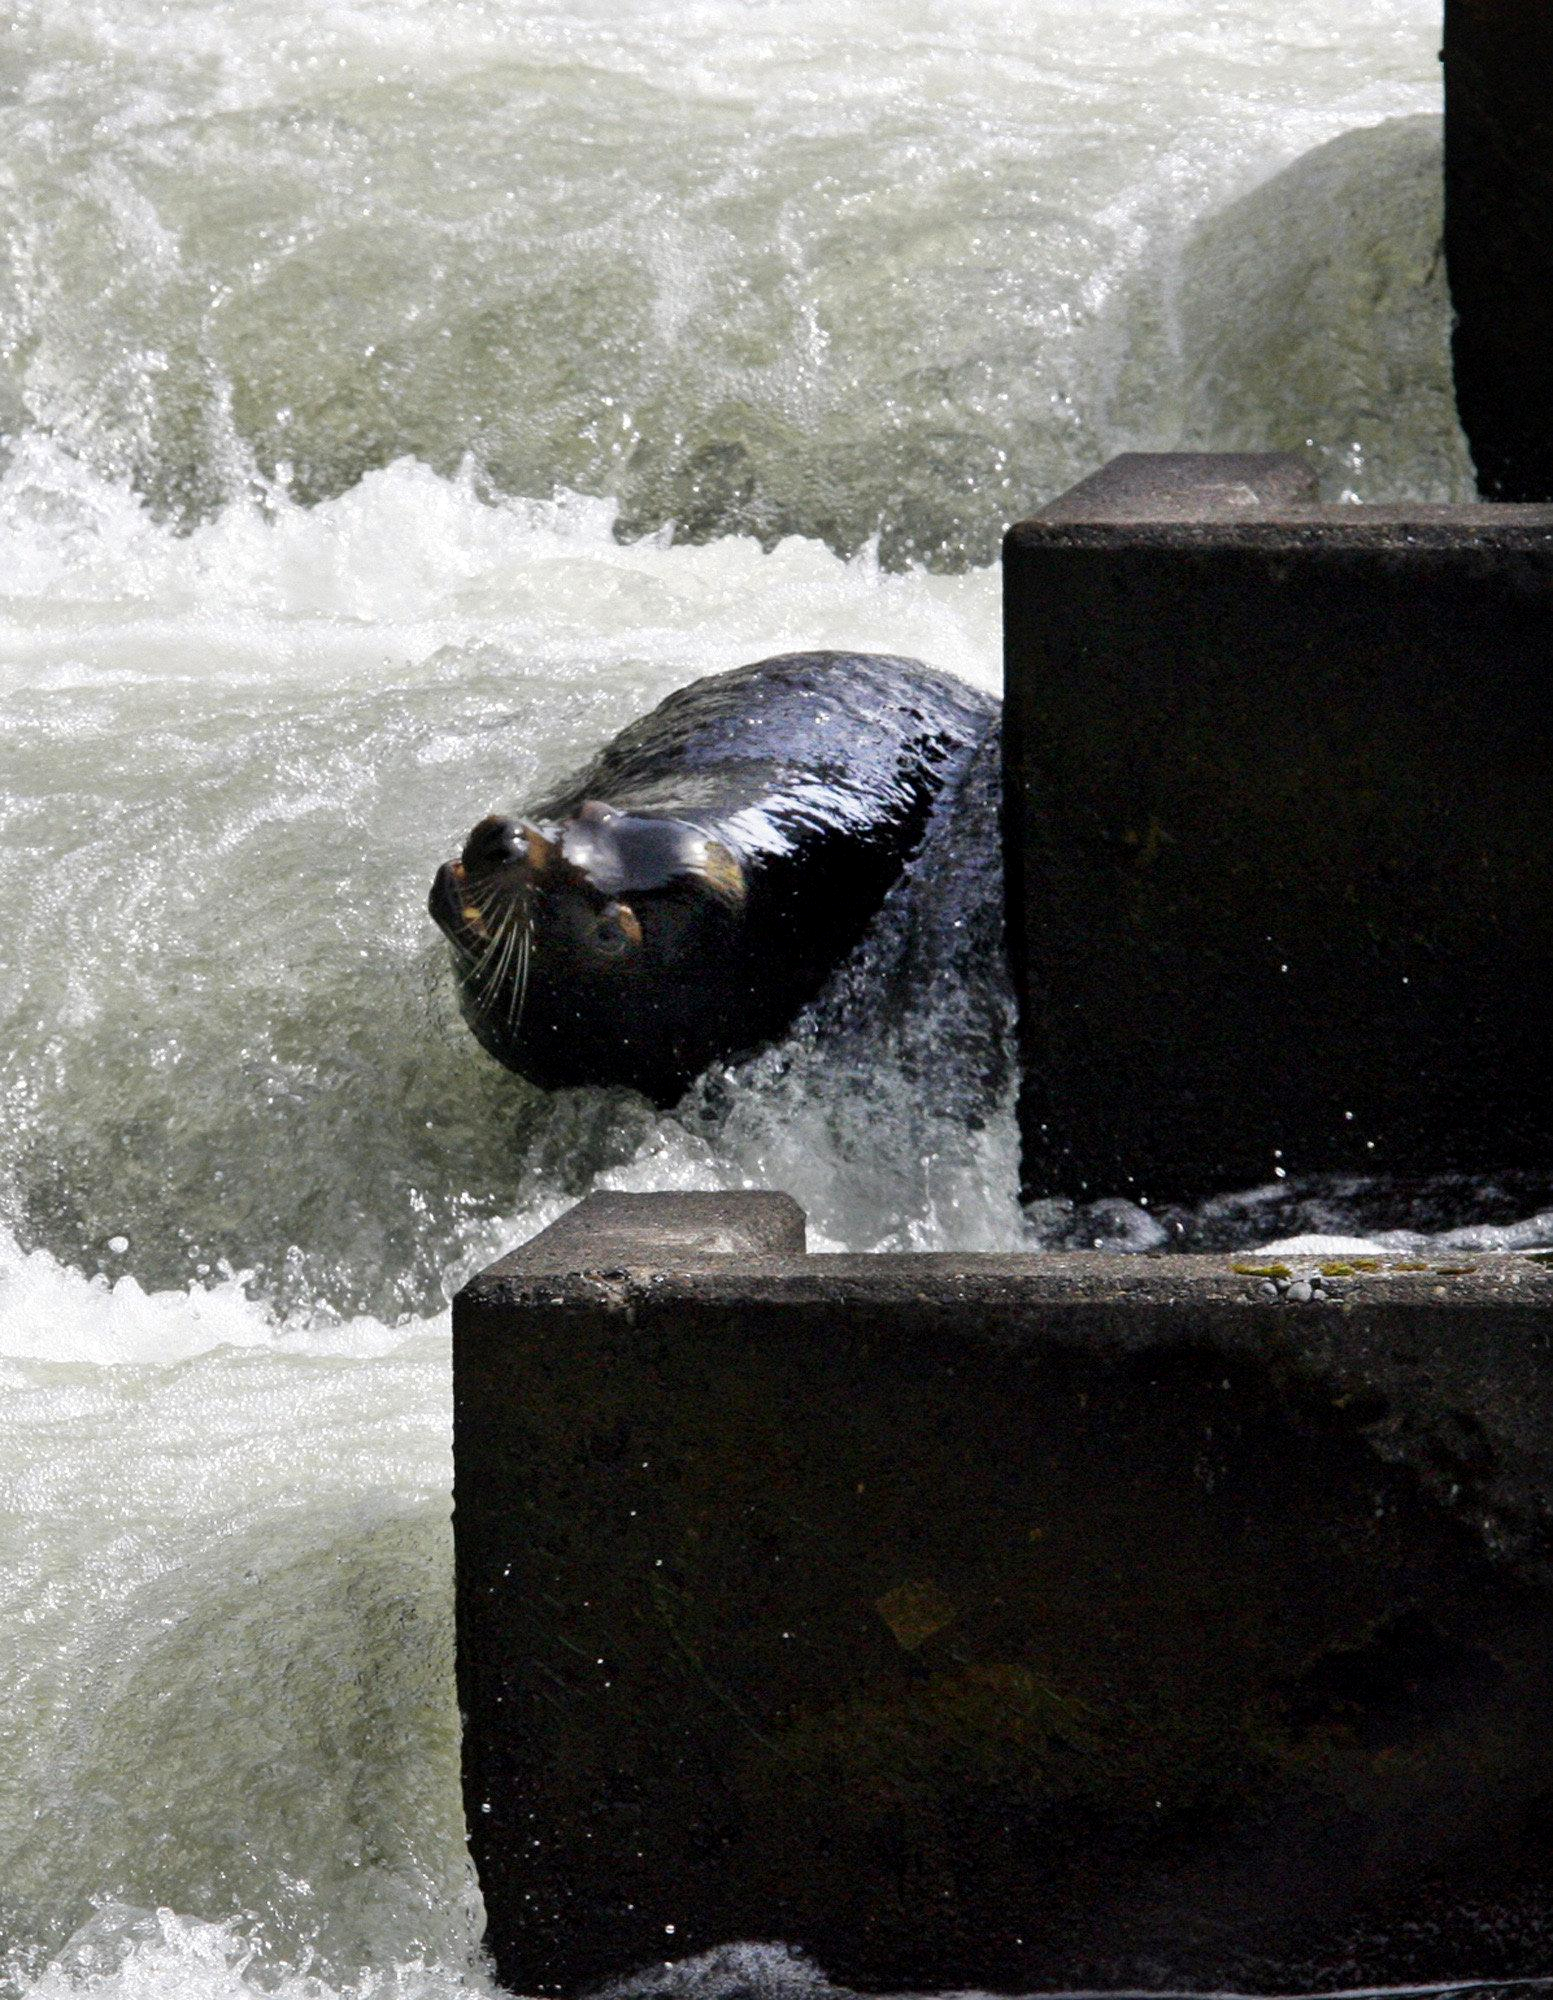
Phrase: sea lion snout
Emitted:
{"points": [[497, 842], [492, 881], [491, 845], [448, 897]]}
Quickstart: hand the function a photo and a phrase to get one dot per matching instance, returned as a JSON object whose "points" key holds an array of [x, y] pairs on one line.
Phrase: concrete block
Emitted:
{"points": [[609, 1229], [1499, 237], [1276, 825], [1004, 1622], [1186, 485]]}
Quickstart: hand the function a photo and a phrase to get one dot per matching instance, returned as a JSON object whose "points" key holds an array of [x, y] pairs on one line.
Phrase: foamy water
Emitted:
{"points": [[394, 400]]}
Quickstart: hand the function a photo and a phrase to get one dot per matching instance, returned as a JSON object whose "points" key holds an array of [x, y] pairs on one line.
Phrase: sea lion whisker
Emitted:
{"points": [[522, 932], [478, 902], [474, 906], [483, 962], [510, 931], [528, 967], [485, 975], [523, 967], [520, 985], [519, 982]]}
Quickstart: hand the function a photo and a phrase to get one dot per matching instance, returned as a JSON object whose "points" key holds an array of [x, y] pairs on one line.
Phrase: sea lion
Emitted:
{"points": [[682, 898]]}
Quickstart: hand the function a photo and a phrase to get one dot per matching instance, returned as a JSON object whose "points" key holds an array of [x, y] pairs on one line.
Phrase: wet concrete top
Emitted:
{"points": [[746, 1244], [1260, 499]]}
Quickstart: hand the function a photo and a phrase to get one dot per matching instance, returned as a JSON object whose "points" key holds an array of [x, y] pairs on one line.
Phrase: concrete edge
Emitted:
{"points": [[1496, 529], [1164, 485], [1451, 1356], [748, 1245], [615, 1229], [1056, 1278]]}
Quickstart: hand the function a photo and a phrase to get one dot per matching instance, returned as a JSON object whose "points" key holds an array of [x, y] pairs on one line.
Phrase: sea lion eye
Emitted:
{"points": [[616, 929]]}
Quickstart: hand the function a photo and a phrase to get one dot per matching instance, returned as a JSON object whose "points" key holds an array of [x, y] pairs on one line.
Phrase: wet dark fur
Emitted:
{"points": [[815, 775]]}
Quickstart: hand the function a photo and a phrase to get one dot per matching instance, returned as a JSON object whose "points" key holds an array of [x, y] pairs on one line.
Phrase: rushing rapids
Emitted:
{"points": [[395, 399]]}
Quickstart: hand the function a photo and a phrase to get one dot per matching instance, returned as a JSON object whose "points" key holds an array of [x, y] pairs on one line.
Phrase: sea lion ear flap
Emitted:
{"points": [[722, 875]]}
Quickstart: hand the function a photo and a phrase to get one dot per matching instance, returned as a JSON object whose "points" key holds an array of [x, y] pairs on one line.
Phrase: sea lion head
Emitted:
{"points": [[567, 940]]}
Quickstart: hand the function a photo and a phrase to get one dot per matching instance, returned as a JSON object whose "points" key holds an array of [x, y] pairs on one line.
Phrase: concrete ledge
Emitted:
{"points": [[1165, 486], [1004, 1622], [1276, 793], [654, 1229]]}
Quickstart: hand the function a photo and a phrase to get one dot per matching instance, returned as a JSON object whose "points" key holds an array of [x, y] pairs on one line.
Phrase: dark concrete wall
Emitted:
{"points": [[1004, 1622], [1276, 822], [1499, 237]]}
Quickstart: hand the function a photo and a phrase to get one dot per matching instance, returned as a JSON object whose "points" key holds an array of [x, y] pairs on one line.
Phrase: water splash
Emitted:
{"points": [[805, 270]]}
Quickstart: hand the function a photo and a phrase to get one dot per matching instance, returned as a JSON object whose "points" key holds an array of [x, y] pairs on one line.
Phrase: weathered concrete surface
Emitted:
{"points": [[1006, 1622], [1175, 486], [1280, 892], [1499, 237], [611, 1229]]}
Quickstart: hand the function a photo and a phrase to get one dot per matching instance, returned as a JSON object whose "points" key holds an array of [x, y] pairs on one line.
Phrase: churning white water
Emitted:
{"points": [[396, 396]]}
